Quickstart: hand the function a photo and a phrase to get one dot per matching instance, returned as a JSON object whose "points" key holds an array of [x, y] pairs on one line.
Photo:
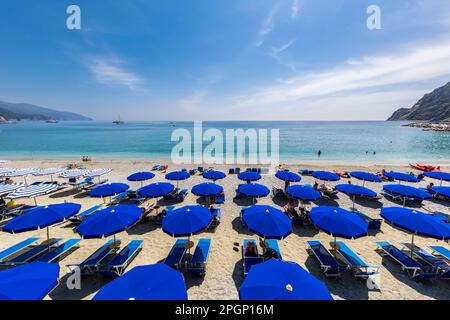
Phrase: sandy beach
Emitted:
{"points": [[224, 272]]}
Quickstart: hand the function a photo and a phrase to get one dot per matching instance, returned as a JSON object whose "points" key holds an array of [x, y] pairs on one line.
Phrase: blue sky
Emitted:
{"points": [[224, 59]]}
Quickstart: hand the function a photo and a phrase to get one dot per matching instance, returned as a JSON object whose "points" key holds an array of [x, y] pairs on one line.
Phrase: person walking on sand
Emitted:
{"points": [[319, 153]]}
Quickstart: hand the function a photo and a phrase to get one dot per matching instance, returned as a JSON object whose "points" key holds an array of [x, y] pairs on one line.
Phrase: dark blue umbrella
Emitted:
{"points": [[303, 193], [443, 191], [267, 222], [253, 190], [326, 176], [207, 189], [288, 176], [400, 176], [438, 175], [141, 176], [150, 282], [214, 175], [338, 222], [186, 221], [407, 192], [280, 280], [156, 190], [108, 190], [417, 222], [109, 221], [178, 175], [365, 176], [355, 191], [249, 176], [31, 281], [41, 217]]}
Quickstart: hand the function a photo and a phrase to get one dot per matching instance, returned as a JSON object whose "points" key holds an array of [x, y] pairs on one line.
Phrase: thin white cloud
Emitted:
{"points": [[193, 101], [412, 65], [295, 8], [112, 71], [268, 24], [276, 54]]}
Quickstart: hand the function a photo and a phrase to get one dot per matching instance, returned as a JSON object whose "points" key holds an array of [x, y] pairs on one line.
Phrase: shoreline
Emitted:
{"points": [[167, 160]]}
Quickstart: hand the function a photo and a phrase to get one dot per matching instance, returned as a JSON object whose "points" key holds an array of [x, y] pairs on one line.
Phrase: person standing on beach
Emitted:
{"points": [[319, 153]]}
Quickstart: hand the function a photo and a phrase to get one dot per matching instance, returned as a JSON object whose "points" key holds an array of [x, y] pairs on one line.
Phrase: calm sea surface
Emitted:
{"points": [[340, 141]]}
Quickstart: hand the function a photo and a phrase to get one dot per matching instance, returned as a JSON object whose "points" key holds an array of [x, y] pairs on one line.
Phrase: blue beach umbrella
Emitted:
{"points": [[443, 191], [214, 175], [288, 176], [141, 176], [41, 217], [31, 281], [249, 176], [108, 190], [253, 190], [303, 193], [355, 191], [365, 176], [207, 189], [156, 190], [281, 280], [417, 223], [267, 222], [109, 221], [338, 222], [326, 176], [178, 176], [186, 221], [407, 192], [438, 175], [150, 282], [400, 176]]}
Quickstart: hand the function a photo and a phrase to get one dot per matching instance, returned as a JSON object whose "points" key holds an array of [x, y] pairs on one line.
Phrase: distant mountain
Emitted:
{"points": [[25, 111], [434, 106]]}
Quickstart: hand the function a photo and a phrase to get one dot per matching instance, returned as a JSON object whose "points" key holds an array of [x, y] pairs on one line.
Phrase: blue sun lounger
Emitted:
{"points": [[89, 265], [442, 267], [216, 218], [250, 261], [60, 251], [176, 254], [328, 263], [31, 254], [359, 267], [7, 253], [83, 215], [199, 259], [414, 269], [121, 260], [273, 244], [373, 224], [442, 251]]}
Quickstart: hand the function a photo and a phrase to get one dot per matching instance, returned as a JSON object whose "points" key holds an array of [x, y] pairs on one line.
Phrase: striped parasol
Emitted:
{"points": [[33, 191], [7, 188]]}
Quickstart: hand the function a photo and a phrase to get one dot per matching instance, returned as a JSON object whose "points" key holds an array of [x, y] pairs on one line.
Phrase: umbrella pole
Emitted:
{"points": [[353, 203], [25, 179], [404, 201], [48, 239], [412, 245], [35, 202]]}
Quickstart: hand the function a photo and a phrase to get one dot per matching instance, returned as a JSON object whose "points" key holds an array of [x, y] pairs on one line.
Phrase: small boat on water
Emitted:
{"points": [[51, 121], [118, 121]]}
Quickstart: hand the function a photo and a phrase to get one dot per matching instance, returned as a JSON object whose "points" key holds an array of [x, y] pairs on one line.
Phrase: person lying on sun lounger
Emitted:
{"points": [[429, 186], [316, 186], [251, 250]]}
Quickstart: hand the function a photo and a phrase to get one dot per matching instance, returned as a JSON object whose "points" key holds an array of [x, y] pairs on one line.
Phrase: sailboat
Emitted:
{"points": [[118, 121]]}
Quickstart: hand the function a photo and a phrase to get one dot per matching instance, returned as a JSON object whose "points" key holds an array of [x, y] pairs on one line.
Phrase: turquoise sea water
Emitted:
{"points": [[338, 141]]}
